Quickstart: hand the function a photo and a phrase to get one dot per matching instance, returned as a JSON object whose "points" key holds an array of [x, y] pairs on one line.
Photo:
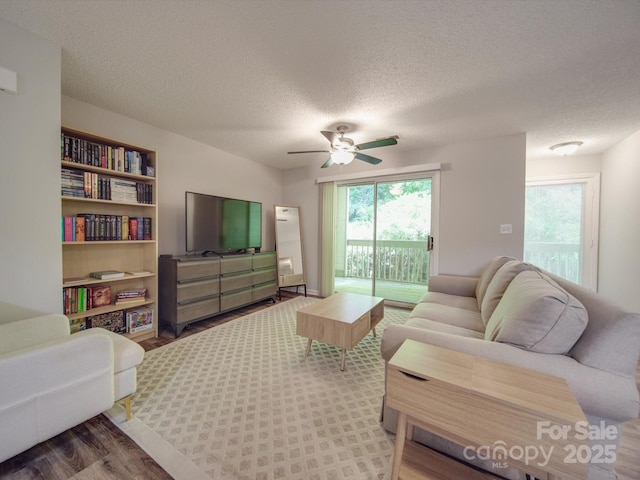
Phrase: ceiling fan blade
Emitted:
{"points": [[328, 163], [382, 142], [310, 151], [331, 136], [368, 159]]}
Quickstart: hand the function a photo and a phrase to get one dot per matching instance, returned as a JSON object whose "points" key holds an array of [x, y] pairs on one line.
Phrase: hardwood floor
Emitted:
{"points": [[98, 450]]}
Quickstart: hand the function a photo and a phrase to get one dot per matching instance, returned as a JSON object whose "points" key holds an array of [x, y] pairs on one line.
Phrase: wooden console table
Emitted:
{"points": [[476, 402]]}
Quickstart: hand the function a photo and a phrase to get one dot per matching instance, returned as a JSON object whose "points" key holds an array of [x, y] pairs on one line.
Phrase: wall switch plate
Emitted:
{"points": [[506, 228]]}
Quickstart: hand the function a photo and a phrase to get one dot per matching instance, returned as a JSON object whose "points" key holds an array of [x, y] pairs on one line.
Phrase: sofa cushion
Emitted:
{"points": [[466, 303], [536, 314], [498, 285], [457, 317], [434, 326], [486, 276]]}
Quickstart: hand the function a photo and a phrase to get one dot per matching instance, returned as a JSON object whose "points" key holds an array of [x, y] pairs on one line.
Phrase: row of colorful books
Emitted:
{"points": [[78, 184], [98, 227], [115, 158], [120, 321], [84, 298]]}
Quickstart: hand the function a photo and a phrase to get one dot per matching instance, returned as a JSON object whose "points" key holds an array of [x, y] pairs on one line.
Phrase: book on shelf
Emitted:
{"points": [[139, 319], [80, 229], [101, 296], [130, 301], [77, 324], [107, 274], [136, 295], [78, 184], [110, 157], [101, 227], [137, 273], [77, 299]]}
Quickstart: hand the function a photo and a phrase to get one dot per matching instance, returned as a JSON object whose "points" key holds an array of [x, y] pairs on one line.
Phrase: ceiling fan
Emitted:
{"points": [[343, 150]]}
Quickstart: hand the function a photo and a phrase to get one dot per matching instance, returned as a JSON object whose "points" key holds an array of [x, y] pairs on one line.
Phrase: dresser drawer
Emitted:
{"points": [[235, 299], [197, 310], [361, 327], [198, 269], [264, 291], [424, 398], [262, 260], [193, 290], [233, 264], [265, 275], [236, 282]]}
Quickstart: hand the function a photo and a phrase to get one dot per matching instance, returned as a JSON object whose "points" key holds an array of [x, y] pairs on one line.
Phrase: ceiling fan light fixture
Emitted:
{"points": [[342, 157], [566, 148]]}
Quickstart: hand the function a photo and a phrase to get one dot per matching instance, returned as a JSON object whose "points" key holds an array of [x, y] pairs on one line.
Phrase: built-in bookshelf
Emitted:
{"points": [[109, 222]]}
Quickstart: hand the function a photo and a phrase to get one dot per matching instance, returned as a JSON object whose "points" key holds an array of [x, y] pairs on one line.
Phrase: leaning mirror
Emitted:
{"points": [[289, 248]]}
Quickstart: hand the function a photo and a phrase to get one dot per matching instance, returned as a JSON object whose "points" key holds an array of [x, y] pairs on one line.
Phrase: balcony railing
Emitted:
{"points": [[396, 260], [562, 259], [408, 261]]}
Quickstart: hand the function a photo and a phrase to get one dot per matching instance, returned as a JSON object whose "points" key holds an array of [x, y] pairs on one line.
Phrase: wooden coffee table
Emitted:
{"points": [[343, 319], [480, 403]]}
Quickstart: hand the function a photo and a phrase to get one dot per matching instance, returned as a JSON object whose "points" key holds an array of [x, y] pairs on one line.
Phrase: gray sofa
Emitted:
{"points": [[519, 314]]}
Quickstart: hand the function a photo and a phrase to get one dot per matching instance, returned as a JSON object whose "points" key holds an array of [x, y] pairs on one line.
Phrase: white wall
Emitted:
{"points": [[569, 165], [482, 186], [30, 212], [184, 165], [619, 264]]}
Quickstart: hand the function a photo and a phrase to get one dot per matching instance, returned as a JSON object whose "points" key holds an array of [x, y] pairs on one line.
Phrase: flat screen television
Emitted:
{"points": [[221, 225]]}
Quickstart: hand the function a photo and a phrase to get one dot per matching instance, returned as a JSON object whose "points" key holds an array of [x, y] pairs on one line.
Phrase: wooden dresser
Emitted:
{"points": [[195, 288]]}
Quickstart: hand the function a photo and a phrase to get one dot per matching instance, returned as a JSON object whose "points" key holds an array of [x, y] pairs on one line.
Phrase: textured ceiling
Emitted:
{"points": [[260, 78]]}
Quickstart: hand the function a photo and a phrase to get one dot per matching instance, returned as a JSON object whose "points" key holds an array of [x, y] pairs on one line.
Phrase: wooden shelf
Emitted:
{"points": [[107, 171], [110, 308], [106, 242], [423, 463], [94, 281], [66, 198]]}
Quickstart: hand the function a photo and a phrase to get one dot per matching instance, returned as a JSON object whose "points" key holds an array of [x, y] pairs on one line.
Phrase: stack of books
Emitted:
{"points": [[136, 295]]}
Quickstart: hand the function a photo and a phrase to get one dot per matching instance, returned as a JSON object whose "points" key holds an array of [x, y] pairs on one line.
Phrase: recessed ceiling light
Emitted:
{"points": [[566, 148]]}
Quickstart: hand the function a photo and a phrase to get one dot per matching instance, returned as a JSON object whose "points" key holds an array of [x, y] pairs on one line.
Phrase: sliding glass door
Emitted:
{"points": [[382, 238]]}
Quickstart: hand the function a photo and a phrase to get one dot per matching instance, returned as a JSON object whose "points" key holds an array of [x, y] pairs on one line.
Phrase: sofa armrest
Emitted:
{"points": [[30, 332], [460, 285], [53, 365], [599, 393], [52, 387]]}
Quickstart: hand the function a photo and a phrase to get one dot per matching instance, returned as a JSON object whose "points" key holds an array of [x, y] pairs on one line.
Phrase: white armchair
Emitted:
{"points": [[51, 381]]}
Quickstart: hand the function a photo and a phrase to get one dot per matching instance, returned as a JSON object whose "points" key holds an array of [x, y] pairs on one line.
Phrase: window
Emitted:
{"points": [[561, 227]]}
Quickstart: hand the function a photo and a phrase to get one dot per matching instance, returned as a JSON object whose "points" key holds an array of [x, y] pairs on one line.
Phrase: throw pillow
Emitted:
{"points": [[537, 314], [499, 284], [486, 276]]}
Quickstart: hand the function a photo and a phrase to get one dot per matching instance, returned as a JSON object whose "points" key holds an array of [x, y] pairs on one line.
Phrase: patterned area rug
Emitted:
{"points": [[241, 401]]}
